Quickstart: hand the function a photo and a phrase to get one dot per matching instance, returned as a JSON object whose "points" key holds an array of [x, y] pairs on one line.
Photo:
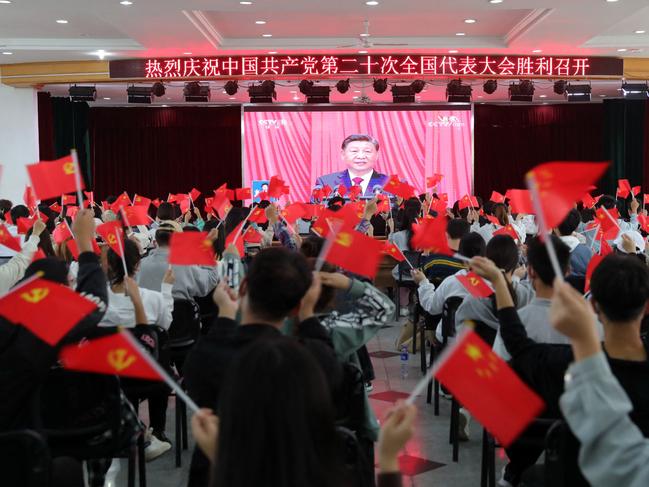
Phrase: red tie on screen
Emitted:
{"points": [[357, 181]]}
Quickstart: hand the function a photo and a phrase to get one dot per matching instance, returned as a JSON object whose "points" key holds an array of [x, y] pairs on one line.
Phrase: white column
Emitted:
{"points": [[18, 139]]}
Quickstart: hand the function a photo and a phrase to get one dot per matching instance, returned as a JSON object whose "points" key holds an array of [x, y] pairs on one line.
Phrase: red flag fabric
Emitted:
{"points": [[430, 234], [354, 192], [68, 199], [239, 243], [355, 252], [636, 190], [189, 248], [475, 284], [194, 194], [588, 201], [156, 202], [243, 194], [56, 208], [91, 196], [465, 202], [326, 190], [140, 200], [644, 222], [74, 248], [45, 308], [604, 248], [8, 240], [592, 265], [397, 188], [24, 224], [341, 189], [623, 188], [646, 199], [560, 184], [258, 215], [29, 197], [493, 219], [485, 385], [136, 215], [507, 230], [50, 179], [38, 255], [122, 201], [311, 211], [251, 236], [392, 250], [292, 212], [110, 232], [434, 180], [496, 197], [608, 223], [221, 204], [276, 187], [113, 354], [262, 195], [71, 211]]}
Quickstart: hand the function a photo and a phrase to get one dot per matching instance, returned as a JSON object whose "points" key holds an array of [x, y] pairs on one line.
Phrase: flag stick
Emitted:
{"points": [[77, 176], [461, 257], [121, 251], [121, 209], [238, 234], [162, 372], [327, 246], [543, 230], [405, 258], [610, 217]]}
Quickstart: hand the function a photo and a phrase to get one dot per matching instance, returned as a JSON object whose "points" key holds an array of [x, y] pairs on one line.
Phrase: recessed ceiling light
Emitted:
{"points": [[267, 35], [357, 91], [602, 95], [272, 52], [536, 51], [453, 51], [168, 98], [469, 21], [165, 106], [479, 96], [61, 21], [5, 1], [7, 53], [611, 1], [296, 98], [543, 96], [622, 49], [224, 92], [460, 34], [362, 52], [364, 34], [187, 53], [106, 98], [232, 98], [293, 91], [126, 3], [260, 22], [245, 3], [372, 3], [640, 31], [495, 1]]}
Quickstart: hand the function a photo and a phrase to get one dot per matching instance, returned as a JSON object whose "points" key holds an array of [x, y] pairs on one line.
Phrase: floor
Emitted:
{"points": [[427, 458]]}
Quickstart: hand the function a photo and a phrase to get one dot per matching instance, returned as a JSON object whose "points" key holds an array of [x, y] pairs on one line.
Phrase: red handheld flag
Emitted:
{"points": [[646, 199], [68, 199], [50, 179], [251, 236], [636, 190], [243, 194], [112, 354], [61, 233], [8, 240], [194, 194], [189, 248], [122, 201], [45, 308], [588, 201], [29, 197], [623, 188], [236, 233], [644, 222], [484, 384], [392, 250], [354, 192], [111, 232], [136, 215], [430, 234], [608, 222], [507, 230], [592, 265], [276, 187], [221, 204], [292, 212], [475, 285], [341, 189], [56, 208], [24, 224], [140, 200], [91, 197], [355, 253], [156, 202], [258, 215], [496, 197], [433, 180]]}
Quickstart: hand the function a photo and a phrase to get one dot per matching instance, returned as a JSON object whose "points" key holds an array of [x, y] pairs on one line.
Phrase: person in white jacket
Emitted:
{"points": [[14, 269]]}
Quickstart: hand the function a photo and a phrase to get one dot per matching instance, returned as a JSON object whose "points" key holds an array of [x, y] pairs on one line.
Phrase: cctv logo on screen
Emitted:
{"points": [[273, 124], [446, 121]]}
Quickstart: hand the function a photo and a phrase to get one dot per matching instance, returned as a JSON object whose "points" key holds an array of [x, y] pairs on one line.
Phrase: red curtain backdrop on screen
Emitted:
{"points": [[154, 151], [413, 144], [510, 140]]}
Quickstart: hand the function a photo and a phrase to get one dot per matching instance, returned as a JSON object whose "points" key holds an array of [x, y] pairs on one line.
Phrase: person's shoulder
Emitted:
{"points": [[332, 176]]}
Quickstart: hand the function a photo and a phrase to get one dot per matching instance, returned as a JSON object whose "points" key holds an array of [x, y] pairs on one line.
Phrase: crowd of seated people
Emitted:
{"points": [[280, 368]]}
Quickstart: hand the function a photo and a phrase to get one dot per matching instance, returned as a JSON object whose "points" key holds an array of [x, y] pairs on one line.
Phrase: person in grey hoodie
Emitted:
{"points": [[580, 254]]}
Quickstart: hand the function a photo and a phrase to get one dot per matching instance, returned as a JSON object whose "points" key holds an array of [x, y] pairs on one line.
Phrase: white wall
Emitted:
{"points": [[18, 139]]}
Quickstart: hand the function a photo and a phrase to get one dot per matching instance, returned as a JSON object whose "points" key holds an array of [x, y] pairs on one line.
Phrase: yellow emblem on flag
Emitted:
{"points": [[119, 359], [207, 244], [35, 295], [345, 239], [112, 240], [474, 281], [68, 168]]}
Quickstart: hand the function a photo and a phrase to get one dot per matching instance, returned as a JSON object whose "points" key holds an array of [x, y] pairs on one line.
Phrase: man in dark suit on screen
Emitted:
{"points": [[359, 153]]}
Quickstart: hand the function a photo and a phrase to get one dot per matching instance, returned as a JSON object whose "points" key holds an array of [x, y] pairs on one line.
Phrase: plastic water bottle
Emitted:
{"points": [[404, 362]]}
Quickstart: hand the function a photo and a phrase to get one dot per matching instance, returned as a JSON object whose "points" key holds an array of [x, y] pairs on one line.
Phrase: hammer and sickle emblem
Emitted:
{"points": [[111, 239], [68, 168], [119, 359], [35, 295], [207, 244], [474, 281], [344, 239]]}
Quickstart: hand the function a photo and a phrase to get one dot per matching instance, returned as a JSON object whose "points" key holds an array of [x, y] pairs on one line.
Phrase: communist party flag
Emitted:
{"points": [[592, 265], [140, 200], [560, 184], [243, 194], [430, 234], [68, 199], [355, 252], [258, 215], [47, 309], [8, 240], [189, 248], [136, 215], [292, 212], [506, 230], [485, 385], [496, 197], [50, 179], [236, 233], [276, 187], [391, 249], [112, 354], [113, 234], [221, 204], [623, 188], [29, 197], [475, 285], [434, 180]]}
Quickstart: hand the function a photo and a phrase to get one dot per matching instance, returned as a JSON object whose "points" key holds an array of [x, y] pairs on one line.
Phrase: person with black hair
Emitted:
{"points": [[580, 254], [620, 293], [608, 202], [14, 269], [306, 449], [18, 211], [279, 283], [438, 267]]}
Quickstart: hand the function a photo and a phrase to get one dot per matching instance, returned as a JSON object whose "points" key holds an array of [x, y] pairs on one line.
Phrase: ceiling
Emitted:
{"points": [[146, 28]]}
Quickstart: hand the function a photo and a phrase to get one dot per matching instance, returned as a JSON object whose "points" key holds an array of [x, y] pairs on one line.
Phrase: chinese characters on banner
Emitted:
{"points": [[372, 65]]}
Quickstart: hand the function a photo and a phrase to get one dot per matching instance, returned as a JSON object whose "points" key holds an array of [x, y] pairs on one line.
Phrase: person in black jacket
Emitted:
{"points": [[620, 293], [279, 282]]}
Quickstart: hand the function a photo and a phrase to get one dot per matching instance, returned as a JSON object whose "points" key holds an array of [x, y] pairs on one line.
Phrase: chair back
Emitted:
{"points": [[412, 256], [359, 470], [484, 331], [561, 458], [25, 459], [185, 325], [448, 316], [350, 399]]}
